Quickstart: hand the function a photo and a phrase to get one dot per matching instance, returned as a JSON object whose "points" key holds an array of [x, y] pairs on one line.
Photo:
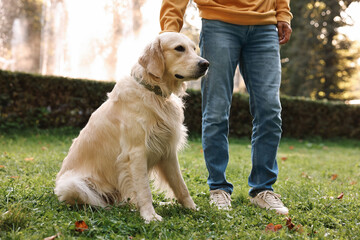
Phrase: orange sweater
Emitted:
{"points": [[241, 12]]}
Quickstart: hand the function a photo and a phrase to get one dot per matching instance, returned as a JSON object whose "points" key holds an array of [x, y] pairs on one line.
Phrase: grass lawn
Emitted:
{"points": [[313, 175]]}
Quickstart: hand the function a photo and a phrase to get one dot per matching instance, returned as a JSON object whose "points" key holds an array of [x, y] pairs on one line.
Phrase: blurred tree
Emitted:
{"points": [[28, 12], [31, 11], [112, 43], [8, 12], [137, 16], [318, 62]]}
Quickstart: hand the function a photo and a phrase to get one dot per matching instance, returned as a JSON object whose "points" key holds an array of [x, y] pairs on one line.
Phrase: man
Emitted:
{"points": [[245, 33]]}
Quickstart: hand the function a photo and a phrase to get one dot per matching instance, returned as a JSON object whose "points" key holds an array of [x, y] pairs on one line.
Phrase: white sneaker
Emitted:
{"points": [[270, 200], [221, 199]]}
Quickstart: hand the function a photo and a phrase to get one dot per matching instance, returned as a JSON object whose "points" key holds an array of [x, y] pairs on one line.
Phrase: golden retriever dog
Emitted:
{"points": [[137, 131]]}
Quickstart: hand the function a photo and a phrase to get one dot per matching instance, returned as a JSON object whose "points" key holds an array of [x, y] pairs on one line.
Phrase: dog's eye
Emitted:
{"points": [[180, 48]]}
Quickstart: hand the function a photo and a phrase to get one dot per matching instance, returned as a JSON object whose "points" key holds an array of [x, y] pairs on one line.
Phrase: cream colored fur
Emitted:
{"points": [[134, 132]]}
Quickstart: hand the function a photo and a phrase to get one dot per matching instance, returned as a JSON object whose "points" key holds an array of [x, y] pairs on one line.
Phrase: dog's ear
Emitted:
{"points": [[152, 59]]}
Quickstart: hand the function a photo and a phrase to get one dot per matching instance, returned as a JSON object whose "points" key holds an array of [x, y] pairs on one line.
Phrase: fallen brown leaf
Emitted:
{"points": [[290, 225], [334, 177], [2, 166], [278, 227], [270, 227], [81, 226], [29, 159], [340, 196], [291, 147], [273, 228], [284, 158]]}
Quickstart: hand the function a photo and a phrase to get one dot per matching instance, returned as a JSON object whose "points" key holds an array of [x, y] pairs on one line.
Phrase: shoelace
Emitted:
{"points": [[271, 198], [221, 198]]}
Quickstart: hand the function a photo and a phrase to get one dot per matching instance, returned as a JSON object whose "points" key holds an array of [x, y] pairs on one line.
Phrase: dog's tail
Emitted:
{"points": [[73, 189]]}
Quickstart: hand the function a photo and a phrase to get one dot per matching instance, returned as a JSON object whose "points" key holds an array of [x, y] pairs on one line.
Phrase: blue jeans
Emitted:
{"points": [[256, 50]]}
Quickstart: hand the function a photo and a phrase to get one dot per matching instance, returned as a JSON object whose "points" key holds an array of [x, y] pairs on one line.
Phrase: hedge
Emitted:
{"points": [[28, 100]]}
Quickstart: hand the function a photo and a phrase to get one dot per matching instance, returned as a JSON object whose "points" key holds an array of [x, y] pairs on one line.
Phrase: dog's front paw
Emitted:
{"points": [[151, 217], [189, 203], [149, 214]]}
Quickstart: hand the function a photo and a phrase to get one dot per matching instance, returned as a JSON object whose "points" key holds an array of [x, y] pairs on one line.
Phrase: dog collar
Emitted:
{"points": [[155, 89]]}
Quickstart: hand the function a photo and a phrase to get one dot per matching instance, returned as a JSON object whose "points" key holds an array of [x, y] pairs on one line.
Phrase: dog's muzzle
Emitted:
{"points": [[203, 67]]}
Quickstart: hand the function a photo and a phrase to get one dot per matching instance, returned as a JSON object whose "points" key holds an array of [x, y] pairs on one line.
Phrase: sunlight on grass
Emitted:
{"points": [[313, 174]]}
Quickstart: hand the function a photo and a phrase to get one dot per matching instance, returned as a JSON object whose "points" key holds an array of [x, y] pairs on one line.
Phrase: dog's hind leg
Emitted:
{"points": [[169, 170], [75, 189]]}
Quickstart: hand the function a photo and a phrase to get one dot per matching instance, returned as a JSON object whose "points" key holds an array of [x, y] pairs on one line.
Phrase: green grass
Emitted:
{"points": [[307, 182]]}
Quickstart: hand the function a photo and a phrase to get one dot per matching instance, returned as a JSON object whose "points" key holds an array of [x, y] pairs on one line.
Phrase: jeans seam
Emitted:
{"points": [[206, 86], [255, 108]]}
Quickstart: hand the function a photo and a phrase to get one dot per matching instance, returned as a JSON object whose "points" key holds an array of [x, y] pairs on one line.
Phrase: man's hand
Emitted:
{"points": [[284, 32]]}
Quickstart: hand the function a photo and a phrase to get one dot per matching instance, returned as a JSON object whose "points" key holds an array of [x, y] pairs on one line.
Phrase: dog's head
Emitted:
{"points": [[172, 57]]}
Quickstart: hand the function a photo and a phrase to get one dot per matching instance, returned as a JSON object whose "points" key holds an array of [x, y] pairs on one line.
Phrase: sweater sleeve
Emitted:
{"points": [[172, 14], [283, 13]]}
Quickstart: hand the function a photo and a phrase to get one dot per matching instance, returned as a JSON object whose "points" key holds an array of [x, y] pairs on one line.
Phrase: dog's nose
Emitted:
{"points": [[203, 64]]}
